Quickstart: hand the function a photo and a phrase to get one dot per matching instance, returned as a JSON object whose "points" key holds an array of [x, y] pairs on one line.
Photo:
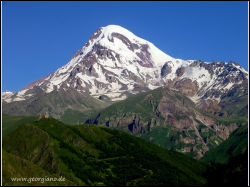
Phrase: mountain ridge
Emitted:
{"points": [[116, 64], [170, 119]]}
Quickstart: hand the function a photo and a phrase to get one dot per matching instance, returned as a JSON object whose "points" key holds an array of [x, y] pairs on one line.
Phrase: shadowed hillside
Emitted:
{"points": [[93, 155]]}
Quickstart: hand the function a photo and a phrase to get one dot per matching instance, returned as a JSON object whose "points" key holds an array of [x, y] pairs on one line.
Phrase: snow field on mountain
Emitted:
{"points": [[158, 57], [175, 64], [198, 74], [59, 80], [66, 67], [228, 86], [119, 98], [21, 93], [151, 87], [7, 94], [108, 30], [20, 96]]}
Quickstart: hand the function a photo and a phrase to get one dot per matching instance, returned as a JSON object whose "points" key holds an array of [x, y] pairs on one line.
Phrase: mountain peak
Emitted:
{"points": [[125, 44], [108, 30], [115, 63], [115, 28]]}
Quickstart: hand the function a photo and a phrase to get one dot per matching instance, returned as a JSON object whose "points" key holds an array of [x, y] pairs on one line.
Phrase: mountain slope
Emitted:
{"points": [[170, 119], [62, 104], [7, 94], [233, 173], [95, 155], [115, 64], [235, 145], [20, 172], [9, 123], [113, 60]]}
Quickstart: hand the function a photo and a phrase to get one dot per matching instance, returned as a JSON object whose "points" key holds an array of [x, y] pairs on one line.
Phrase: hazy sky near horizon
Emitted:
{"points": [[40, 37]]}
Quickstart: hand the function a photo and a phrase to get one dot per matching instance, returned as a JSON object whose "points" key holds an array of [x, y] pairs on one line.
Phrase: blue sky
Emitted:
{"points": [[40, 37]]}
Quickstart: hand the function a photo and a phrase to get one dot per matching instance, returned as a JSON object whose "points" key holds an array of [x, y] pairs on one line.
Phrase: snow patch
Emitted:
{"points": [[228, 86], [21, 93], [113, 95], [119, 98]]}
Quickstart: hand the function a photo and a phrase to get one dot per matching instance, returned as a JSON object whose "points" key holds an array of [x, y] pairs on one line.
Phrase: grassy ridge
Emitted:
{"points": [[9, 123], [140, 104], [93, 155], [75, 117]]}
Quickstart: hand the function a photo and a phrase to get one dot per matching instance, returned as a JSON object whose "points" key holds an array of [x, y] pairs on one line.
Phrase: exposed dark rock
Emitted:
{"points": [[166, 69], [96, 34], [104, 98], [180, 71], [124, 39]]}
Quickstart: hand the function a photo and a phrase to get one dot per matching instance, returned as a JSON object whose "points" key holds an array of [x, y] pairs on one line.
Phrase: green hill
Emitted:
{"points": [[93, 155]]}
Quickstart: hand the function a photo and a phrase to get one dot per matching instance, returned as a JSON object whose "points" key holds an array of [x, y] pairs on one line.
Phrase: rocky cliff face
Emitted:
{"points": [[210, 85], [165, 110]]}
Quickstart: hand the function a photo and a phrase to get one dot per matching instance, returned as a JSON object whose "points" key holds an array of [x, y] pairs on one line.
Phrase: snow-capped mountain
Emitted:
{"points": [[7, 94], [214, 87], [116, 63], [113, 61]]}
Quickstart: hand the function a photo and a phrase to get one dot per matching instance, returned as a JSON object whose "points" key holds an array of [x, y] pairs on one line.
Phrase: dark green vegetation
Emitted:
{"points": [[233, 173], [75, 117], [235, 145], [93, 155], [22, 169], [169, 119], [229, 161], [11, 122], [66, 104]]}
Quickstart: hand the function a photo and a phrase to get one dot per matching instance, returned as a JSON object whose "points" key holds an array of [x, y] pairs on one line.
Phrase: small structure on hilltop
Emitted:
{"points": [[46, 115], [40, 116]]}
